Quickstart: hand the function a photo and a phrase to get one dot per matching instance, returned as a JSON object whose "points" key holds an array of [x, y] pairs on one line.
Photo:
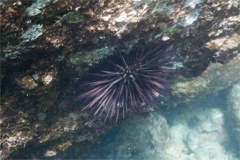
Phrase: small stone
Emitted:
{"points": [[47, 78], [26, 82], [50, 153], [165, 38], [35, 76], [106, 18]]}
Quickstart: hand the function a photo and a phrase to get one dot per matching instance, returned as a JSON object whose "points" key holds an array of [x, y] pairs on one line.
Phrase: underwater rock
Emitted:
{"points": [[193, 122], [177, 148], [234, 110], [41, 116], [190, 143], [215, 78], [212, 150], [48, 77], [26, 82], [70, 34], [209, 130], [50, 153], [33, 33], [142, 136], [136, 138], [213, 123]]}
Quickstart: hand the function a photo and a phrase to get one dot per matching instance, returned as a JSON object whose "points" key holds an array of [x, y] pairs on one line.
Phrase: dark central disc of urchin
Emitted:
{"points": [[130, 81]]}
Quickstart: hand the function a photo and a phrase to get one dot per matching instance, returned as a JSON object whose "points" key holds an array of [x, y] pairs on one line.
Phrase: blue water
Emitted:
{"points": [[124, 142]]}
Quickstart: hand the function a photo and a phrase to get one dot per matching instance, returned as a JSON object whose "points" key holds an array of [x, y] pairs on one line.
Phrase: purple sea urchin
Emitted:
{"points": [[131, 81]]}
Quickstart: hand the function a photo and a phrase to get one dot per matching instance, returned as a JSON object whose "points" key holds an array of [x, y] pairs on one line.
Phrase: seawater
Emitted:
{"points": [[165, 134]]}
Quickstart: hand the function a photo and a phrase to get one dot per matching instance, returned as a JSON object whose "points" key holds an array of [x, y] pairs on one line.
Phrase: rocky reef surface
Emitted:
{"points": [[234, 111], [47, 46], [195, 131]]}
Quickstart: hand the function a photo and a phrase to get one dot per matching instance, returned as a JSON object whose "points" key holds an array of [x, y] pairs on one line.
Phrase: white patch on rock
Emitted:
{"points": [[33, 33], [34, 9], [191, 17], [192, 3], [121, 17], [234, 110]]}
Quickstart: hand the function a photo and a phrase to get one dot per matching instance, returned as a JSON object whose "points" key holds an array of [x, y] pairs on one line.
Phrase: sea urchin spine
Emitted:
{"points": [[130, 82]]}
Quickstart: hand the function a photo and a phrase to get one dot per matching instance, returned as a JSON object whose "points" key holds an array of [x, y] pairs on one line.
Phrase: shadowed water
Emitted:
{"points": [[188, 127]]}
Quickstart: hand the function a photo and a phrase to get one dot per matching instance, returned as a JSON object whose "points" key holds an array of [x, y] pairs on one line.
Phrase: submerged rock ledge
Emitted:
{"points": [[215, 78], [47, 47]]}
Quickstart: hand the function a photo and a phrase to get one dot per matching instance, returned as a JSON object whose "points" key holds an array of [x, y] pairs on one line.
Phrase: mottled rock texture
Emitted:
{"points": [[47, 45], [234, 110], [215, 78]]}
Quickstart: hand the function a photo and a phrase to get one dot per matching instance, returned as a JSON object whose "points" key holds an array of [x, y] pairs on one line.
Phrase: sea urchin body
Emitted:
{"points": [[131, 81]]}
